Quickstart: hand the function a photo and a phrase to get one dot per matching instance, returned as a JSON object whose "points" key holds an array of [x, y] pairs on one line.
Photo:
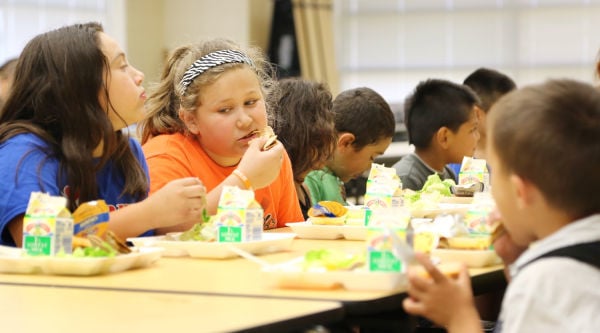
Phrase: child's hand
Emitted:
{"points": [[446, 301], [181, 201], [261, 166]]}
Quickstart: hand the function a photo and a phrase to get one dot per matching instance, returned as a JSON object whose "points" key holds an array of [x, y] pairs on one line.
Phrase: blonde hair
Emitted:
{"points": [[166, 98]]}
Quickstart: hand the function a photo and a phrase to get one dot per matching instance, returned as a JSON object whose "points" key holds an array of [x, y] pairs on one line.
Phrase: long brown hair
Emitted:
{"points": [[58, 79], [304, 123]]}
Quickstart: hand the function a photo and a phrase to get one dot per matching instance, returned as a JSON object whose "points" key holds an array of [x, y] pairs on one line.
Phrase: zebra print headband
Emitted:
{"points": [[210, 60]]}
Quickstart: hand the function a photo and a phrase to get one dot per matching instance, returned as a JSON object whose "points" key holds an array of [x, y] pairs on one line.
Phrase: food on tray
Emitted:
{"points": [[205, 232], [467, 190], [469, 242], [327, 212], [332, 260], [433, 190], [94, 246]]}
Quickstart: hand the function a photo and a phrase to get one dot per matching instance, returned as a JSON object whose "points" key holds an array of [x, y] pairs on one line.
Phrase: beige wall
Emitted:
{"points": [[153, 27]]}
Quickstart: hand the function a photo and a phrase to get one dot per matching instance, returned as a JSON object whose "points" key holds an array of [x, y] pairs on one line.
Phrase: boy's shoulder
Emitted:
{"points": [[320, 175]]}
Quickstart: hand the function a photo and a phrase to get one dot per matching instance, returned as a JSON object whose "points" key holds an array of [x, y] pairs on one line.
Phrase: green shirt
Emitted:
{"points": [[324, 185]]}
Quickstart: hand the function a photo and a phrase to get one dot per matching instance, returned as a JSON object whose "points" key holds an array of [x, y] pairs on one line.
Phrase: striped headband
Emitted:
{"points": [[210, 60]]}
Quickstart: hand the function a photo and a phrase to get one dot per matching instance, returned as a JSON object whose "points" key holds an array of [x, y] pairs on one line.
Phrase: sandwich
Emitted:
{"points": [[268, 133]]}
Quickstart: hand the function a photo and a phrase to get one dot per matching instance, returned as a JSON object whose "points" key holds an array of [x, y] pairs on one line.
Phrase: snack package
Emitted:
{"points": [[474, 170], [381, 186], [47, 226], [327, 212], [239, 217], [91, 218]]}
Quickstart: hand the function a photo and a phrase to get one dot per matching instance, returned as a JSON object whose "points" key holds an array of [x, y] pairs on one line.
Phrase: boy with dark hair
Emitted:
{"points": [[365, 126], [441, 122], [489, 85], [545, 197]]}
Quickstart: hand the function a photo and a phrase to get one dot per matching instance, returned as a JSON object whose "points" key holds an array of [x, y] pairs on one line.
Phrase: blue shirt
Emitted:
{"points": [[27, 167]]}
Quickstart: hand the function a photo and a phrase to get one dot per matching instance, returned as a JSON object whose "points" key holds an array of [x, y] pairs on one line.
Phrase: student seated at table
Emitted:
{"points": [[205, 119], [441, 122], [60, 133], [489, 85], [365, 126], [548, 200], [304, 124]]}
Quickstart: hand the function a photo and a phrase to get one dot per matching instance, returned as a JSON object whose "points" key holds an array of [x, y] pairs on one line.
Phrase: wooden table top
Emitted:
{"points": [[232, 277], [48, 309]]}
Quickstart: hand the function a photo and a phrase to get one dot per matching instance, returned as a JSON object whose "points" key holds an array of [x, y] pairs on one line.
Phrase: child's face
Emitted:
{"points": [[230, 112], [124, 85], [464, 141], [349, 163], [505, 196]]}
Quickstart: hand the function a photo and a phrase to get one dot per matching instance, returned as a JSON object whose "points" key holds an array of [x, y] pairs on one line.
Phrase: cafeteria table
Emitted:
{"points": [[50, 309], [242, 277]]}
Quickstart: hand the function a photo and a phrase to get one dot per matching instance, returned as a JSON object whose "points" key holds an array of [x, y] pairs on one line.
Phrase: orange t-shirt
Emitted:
{"points": [[174, 156]]}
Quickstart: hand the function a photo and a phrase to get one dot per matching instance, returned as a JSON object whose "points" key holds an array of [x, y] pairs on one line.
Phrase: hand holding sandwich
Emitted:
{"points": [[262, 161]]}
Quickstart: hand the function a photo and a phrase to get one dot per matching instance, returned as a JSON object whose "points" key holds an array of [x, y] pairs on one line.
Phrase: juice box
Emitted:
{"points": [[239, 217], [47, 226]]}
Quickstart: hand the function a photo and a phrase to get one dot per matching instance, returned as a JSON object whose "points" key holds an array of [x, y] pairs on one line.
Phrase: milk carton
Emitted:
{"points": [[380, 257], [474, 170], [47, 226], [381, 186], [239, 217]]}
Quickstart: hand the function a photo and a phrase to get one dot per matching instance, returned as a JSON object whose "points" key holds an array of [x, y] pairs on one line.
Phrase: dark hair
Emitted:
{"points": [[489, 85], [364, 113], [58, 79], [549, 134], [166, 97], [435, 104], [304, 123]]}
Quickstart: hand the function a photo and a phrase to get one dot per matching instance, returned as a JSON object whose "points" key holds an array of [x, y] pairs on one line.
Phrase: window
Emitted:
{"points": [[21, 20], [391, 45]]}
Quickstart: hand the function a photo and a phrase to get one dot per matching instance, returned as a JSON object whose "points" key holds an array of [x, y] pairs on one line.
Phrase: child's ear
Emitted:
{"points": [[443, 137], [345, 140], [190, 120], [524, 191]]}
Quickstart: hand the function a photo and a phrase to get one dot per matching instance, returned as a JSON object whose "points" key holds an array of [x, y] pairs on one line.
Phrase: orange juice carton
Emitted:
{"points": [[380, 257], [91, 218], [358, 215], [473, 170], [47, 226], [239, 217], [381, 186]]}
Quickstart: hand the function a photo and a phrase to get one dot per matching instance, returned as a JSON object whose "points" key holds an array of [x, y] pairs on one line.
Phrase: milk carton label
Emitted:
{"points": [[47, 226], [239, 217]]}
